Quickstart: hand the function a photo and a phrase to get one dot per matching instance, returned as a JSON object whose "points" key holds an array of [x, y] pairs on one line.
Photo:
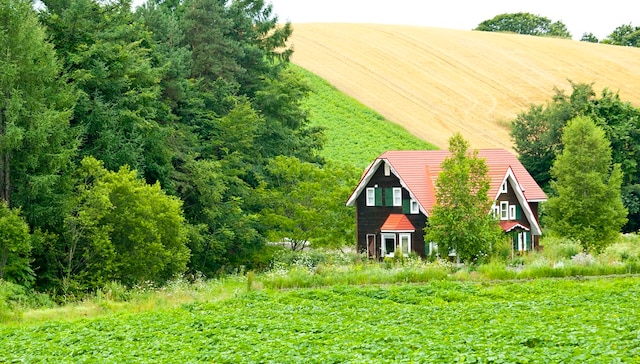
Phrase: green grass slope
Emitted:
{"points": [[355, 134]]}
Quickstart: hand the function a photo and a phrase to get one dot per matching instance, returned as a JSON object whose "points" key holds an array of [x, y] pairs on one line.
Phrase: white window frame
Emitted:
{"points": [[397, 196], [387, 169], [495, 211], [383, 244], [371, 196], [503, 187], [504, 210], [512, 212], [399, 246], [414, 208]]}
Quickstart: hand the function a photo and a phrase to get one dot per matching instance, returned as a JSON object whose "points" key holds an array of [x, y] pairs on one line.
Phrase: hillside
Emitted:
{"points": [[435, 82]]}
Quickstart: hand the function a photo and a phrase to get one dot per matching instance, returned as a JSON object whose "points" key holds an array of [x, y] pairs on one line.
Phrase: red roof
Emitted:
{"points": [[397, 222], [420, 168], [510, 225]]}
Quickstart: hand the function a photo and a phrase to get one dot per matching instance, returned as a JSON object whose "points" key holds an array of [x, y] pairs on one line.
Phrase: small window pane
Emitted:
{"points": [[397, 196], [415, 209], [371, 197], [504, 210]]}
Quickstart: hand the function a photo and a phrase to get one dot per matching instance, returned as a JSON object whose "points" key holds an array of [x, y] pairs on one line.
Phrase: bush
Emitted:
{"points": [[556, 248]]}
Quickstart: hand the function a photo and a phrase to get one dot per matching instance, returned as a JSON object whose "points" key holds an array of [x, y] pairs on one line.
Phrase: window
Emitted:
{"points": [[387, 169], [495, 211], [512, 212], [388, 244], [405, 244], [522, 242], [414, 208], [371, 196], [504, 210], [397, 196], [503, 188]]}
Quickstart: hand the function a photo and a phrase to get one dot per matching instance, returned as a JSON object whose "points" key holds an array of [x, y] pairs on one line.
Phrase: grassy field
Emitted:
{"points": [[435, 82], [355, 133], [544, 320]]}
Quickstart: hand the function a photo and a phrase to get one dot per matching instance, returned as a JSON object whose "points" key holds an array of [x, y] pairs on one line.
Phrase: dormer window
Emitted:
{"points": [[503, 187]]}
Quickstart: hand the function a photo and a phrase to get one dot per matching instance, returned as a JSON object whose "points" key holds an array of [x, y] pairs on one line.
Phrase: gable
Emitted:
{"points": [[418, 170]]}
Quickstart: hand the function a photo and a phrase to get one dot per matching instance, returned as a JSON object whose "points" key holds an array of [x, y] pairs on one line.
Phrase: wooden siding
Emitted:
{"points": [[370, 218]]}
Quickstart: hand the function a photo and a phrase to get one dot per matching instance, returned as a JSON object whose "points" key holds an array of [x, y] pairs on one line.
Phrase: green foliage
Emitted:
{"points": [[625, 35], [107, 56], [37, 144], [365, 136], [587, 206], [460, 221], [525, 321], [524, 23], [537, 137], [123, 229], [15, 247], [589, 37], [308, 203]]}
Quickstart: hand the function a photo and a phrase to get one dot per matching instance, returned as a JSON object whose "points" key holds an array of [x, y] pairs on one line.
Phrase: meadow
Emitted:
{"points": [[558, 305], [543, 320]]}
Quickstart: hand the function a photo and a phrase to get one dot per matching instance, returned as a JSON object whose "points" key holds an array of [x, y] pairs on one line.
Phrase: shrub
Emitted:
{"points": [[556, 248]]}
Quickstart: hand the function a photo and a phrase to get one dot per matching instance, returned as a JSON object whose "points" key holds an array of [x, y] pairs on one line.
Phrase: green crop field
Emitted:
{"points": [[355, 133], [536, 321]]}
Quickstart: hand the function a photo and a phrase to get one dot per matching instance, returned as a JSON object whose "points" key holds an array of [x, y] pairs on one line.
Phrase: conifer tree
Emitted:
{"points": [[587, 205]]}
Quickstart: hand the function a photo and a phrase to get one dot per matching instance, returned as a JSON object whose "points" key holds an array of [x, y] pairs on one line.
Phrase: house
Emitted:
{"points": [[396, 194]]}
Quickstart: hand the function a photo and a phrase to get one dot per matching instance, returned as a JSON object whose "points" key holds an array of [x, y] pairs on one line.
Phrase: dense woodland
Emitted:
{"points": [[137, 145], [140, 144]]}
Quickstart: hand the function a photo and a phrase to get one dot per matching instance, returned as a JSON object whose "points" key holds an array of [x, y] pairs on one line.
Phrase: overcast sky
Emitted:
{"points": [[580, 16]]}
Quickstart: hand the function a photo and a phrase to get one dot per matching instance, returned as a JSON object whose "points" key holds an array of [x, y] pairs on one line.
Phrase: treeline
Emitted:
{"points": [[538, 138], [531, 24], [137, 145]]}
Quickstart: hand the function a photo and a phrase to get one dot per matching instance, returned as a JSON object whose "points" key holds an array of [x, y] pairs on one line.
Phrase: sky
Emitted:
{"points": [[580, 16]]}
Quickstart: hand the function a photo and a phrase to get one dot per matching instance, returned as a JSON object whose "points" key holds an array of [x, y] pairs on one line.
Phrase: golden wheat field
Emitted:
{"points": [[435, 82]]}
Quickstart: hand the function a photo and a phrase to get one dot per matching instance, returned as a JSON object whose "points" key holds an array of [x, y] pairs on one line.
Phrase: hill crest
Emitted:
{"points": [[435, 82]]}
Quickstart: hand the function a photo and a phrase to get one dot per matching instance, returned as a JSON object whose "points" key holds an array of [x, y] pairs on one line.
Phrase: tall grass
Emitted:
{"points": [[355, 134]]}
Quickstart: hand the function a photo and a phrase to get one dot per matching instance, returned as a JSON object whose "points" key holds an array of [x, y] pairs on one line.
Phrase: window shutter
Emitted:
{"points": [[388, 196], [518, 212], [378, 196], [406, 206], [527, 236]]}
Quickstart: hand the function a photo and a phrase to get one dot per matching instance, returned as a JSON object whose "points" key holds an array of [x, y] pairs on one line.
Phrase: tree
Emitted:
{"points": [[587, 205], [106, 55], [524, 23], [37, 145], [15, 247], [589, 37], [537, 136], [460, 220], [122, 229], [307, 203], [625, 35]]}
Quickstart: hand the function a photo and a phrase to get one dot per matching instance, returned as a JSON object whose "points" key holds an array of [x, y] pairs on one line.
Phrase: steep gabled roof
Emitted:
{"points": [[418, 170]]}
